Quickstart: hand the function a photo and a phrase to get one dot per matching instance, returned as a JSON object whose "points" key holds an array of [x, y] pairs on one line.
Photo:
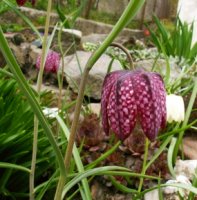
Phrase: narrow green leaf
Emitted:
{"points": [[25, 88], [14, 166], [76, 157]]}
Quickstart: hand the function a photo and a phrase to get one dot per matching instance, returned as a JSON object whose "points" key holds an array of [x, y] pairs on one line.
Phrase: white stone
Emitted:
{"points": [[95, 108], [152, 195], [186, 168], [160, 67], [174, 191]]}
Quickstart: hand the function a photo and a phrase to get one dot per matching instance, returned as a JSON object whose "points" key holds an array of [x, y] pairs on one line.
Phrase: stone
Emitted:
{"points": [[172, 192], [160, 67], [70, 39], [85, 26], [89, 26], [152, 195], [74, 66], [96, 38], [186, 168], [34, 53], [95, 108], [190, 147]]}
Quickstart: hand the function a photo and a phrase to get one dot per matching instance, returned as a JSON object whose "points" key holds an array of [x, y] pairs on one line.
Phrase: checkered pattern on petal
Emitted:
{"points": [[126, 108], [52, 62], [128, 96], [109, 80]]}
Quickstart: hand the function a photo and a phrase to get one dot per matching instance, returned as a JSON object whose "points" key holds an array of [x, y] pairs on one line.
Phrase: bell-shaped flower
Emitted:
{"points": [[175, 108], [131, 96], [52, 62]]}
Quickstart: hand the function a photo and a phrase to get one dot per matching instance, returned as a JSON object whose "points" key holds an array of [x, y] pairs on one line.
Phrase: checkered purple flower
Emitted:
{"points": [[131, 96], [52, 62]]}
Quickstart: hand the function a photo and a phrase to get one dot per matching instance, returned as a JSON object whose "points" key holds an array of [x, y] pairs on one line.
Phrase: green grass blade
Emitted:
{"points": [[121, 187], [76, 157], [25, 88], [194, 183], [159, 151], [170, 156], [13, 166], [103, 157], [187, 115], [164, 35], [108, 170]]}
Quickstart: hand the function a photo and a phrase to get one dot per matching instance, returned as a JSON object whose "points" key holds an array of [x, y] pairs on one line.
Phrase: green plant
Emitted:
{"points": [[16, 128], [70, 177], [176, 43], [34, 100]]}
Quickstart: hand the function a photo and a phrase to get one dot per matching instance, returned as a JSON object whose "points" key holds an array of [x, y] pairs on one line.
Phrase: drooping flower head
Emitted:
{"points": [[52, 62], [22, 2], [131, 96]]}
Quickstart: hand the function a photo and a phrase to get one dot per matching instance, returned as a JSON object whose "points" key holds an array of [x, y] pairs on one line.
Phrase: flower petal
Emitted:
{"points": [[122, 110], [162, 97], [149, 103], [110, 79]]}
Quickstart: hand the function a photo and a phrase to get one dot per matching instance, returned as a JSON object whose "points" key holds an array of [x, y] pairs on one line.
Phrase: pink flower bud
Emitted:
{"points": [[22, 2], [52, 62]]}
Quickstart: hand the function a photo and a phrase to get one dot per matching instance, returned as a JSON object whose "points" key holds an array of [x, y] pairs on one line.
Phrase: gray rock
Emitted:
{"points": [[186, 168], [152, 195], [98, 38], [96, 76], [94, 38], [68, 38], [85, 26], [160, 67]]}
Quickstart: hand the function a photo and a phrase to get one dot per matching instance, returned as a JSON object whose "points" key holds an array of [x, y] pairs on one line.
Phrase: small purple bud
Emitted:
{"points": [[52, 62], [22, 2], [131, 96]]}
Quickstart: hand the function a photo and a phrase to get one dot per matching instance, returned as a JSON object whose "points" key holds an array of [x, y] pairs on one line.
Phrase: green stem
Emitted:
{"points": [[125, 50], [144, 164], [187, 115], [36, 122], [127, 15]]}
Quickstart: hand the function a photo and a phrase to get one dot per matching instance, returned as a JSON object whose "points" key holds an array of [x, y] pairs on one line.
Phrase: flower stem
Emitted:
{"points": [[127, 15], [125, 18], [144, 164], [120, 46], [39, 83]]}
